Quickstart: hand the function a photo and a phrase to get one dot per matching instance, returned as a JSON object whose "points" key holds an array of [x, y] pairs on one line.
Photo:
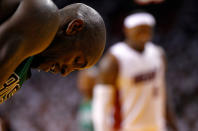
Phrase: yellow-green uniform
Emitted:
{"points": [[16, 80]]}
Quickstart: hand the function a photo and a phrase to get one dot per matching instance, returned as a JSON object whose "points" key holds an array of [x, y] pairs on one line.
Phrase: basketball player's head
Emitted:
{"points": [[79, 42], [86, 81], [138, 29]]}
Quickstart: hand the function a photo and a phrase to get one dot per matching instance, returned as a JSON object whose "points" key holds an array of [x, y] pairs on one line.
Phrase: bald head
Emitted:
{"points": [[79, 41], [89, 36]]}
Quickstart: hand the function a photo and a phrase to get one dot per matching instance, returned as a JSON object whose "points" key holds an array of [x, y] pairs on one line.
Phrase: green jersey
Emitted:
{"points": [[85, 119], [16, 80]]}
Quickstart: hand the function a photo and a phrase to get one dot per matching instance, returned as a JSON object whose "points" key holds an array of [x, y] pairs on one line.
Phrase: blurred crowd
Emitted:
{"points": [[50, 103]]}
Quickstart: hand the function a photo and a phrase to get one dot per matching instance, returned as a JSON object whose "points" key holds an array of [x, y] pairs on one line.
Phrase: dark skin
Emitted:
{"points": [[61, 40], [18, 39], [86, 82], [85, 38], [136, 38]]}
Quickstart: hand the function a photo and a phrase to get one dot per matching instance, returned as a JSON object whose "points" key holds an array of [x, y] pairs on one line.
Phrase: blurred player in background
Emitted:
{"points": [[133, 72], [36, 34], [4, 125], [86, 82]]}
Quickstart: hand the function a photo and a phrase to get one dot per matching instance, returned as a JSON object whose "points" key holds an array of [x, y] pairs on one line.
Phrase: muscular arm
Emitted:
{"points": [[28, 31], [108, 72], [171, 120]]}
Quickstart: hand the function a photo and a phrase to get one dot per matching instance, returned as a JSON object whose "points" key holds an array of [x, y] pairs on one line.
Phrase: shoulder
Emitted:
{"points": [[160, 51], [18, 6], [156, 48], [108, 69], [44, 5], [118, 48], [35, 23], [45, 11]]}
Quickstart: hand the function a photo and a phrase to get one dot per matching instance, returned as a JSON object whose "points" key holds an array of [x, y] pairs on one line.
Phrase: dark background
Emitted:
{"points": [[50, 102]]}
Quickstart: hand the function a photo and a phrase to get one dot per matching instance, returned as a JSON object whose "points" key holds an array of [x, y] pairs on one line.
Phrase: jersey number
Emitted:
{"points": [[9, 88]]}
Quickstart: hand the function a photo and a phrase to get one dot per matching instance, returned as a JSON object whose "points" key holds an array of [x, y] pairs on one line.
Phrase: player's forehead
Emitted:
{"points": [[140, 28], [143, 26]]}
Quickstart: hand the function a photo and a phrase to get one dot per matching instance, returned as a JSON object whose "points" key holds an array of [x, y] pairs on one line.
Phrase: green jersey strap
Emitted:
{"points": [[84, 116], [16, 80]]}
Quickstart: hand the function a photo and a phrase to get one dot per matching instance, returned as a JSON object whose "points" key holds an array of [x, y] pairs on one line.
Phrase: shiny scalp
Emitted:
{"points": [[92, 37]]}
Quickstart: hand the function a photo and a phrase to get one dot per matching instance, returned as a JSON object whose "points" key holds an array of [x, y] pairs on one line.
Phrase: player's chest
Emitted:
{"points": [[140, 64]]}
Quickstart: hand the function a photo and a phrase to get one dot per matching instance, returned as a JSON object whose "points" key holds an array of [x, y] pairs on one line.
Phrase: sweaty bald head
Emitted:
{"points": [[80, 39], [91, 37]]}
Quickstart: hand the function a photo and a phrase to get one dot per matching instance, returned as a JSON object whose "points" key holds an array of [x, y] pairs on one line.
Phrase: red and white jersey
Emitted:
{"points": [[141, 86]]}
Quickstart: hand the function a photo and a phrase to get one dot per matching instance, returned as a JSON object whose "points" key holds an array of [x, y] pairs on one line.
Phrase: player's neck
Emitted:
{"points": [[141, 50], [135, 47]]}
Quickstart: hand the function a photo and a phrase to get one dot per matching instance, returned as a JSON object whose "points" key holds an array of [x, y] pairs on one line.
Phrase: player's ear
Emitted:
{"points": [[74, 27]]}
